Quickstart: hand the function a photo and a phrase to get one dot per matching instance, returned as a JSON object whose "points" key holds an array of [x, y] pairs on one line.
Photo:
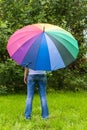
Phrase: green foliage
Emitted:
{"points": [[11, 76], [68, 111], [71, 15], [69, 79], [75, 81], [4, 33], [3, 89]]}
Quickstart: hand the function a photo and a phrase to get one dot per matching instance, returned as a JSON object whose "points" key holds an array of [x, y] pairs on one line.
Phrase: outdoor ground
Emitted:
{"points": [[68, 111]]}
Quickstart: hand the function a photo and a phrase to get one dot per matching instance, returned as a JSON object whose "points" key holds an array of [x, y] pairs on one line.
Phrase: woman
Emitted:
{"points": [[31, 77]]}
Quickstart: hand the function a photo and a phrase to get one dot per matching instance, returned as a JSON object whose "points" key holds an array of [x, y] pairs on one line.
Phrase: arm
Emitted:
{"points": [[25, 75]]}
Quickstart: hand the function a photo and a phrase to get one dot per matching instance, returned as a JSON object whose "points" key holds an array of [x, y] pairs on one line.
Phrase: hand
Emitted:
{"points": [[25, 75], [25, 79]]}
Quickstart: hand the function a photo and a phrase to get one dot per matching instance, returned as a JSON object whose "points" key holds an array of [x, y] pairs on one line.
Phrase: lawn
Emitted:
{"points": [[68, 111]]}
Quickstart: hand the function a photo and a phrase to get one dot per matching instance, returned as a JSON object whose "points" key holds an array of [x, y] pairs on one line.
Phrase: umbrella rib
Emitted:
{"points": [[24, 37], [65, 40], [71, 58], [27, 29], [60, 35], [23, 48], [54, 55], [43, 52], [43, 46]]}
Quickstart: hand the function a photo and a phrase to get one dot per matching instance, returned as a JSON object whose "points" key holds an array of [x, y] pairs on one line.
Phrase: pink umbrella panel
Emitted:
{"points": [[43, 47]]}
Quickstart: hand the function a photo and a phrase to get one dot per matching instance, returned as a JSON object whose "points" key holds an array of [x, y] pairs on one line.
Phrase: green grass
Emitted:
{"points": [[68, 111]]}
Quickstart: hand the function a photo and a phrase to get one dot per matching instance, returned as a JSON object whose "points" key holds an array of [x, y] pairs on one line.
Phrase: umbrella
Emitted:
{"points": [[43, 46]]}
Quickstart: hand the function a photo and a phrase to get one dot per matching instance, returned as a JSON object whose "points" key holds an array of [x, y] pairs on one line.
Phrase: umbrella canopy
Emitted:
{"points": [[42, 47]]}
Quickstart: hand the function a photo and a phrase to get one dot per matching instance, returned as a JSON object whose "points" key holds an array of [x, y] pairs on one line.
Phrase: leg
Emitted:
{"points": [[42, 91], [30, 94]]}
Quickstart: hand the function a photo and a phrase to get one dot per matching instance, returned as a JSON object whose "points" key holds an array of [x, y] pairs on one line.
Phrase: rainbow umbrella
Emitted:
{"points": [[42, 47]]}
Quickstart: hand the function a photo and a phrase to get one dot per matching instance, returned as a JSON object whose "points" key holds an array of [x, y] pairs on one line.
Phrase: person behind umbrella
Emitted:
{"points": [[31, 77]]}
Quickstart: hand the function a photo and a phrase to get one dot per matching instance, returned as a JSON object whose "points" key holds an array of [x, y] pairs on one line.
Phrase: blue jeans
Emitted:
{"points": [[42, 81]]}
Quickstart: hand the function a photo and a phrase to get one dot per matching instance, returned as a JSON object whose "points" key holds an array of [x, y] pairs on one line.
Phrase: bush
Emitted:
{"points": [[11, 76], [68, 79], [75, 81], [3, 89]]}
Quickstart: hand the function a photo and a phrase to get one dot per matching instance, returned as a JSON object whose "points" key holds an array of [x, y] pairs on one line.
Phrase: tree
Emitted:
{"points": [[71, 15]]}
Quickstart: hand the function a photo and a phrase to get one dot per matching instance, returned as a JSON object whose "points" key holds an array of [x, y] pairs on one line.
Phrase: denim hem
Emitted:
{"points": [[46, 117]]}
